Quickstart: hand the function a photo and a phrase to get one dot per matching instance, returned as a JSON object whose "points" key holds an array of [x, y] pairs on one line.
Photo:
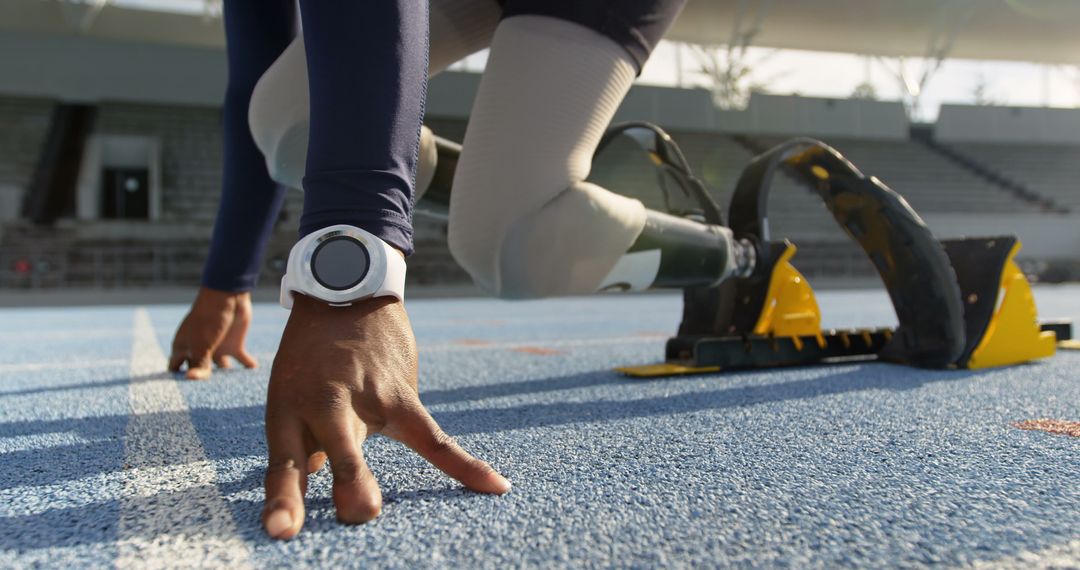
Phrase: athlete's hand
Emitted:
{"points": [[212, 333], [341, 375]]}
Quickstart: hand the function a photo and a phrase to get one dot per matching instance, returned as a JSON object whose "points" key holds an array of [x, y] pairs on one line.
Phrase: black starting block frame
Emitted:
{"points": [[960, 303]]}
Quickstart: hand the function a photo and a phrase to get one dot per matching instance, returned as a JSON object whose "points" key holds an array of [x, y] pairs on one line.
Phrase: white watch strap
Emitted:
{"points": [[393, 284], [384, 261], [284, 293]]}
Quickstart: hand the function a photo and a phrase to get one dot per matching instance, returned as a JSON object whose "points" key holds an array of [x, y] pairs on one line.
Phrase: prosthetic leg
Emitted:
{"points": [[694, 249], [960, 303]]}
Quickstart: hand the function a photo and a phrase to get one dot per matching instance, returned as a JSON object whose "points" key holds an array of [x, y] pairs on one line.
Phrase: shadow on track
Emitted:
{"points": [[111, 383], [237, 432], [884, 377], [231, 433]]}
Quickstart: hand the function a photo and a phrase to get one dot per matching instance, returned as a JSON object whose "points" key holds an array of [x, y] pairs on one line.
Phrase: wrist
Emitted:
{"points": [[310, 307], [217, 296]]}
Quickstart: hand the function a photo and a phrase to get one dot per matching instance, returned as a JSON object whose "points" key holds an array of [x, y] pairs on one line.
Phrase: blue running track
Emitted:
{"points": [[105, 460]]}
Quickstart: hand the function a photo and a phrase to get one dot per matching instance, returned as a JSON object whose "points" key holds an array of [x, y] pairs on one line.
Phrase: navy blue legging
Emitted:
{"points": [[368, 81], [367, 75], [256, 32]]}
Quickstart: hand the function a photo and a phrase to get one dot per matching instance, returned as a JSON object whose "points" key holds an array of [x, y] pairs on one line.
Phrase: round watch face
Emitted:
{"points": [[340, 263]]}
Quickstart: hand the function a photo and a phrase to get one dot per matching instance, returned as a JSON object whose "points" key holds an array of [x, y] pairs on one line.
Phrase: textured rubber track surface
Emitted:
{"points": [[107, 461]]}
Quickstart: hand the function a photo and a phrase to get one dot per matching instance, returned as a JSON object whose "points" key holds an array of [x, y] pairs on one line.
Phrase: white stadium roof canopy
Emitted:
{"points": [[1042, 31]]}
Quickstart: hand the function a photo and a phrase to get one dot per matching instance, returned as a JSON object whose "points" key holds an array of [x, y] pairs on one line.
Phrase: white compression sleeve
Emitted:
{"points": [[279, 115], [522, 221]]}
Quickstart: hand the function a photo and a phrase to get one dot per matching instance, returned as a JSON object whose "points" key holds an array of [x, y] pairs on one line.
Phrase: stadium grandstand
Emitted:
{"points": [[110, 146]]}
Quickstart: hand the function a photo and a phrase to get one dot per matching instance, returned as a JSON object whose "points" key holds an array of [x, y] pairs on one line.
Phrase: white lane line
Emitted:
{"points": [[98, 489], [172, 512]]}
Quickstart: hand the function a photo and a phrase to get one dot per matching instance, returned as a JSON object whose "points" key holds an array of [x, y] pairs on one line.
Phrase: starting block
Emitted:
{"points": [[961, 303], [788, 333]]}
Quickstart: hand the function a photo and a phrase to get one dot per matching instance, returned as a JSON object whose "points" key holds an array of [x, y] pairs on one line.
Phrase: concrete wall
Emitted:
{"points": [[848, 118], [1025, 125], [675, 109], [1044, 236], [79, 68], [450, 95], [190, 151], [75, 68]]}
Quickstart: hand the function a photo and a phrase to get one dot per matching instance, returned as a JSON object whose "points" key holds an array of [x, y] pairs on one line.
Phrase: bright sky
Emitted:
{"points": [[837, 75]]}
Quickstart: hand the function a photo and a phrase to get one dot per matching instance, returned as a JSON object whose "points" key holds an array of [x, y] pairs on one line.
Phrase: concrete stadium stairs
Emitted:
{"points": [[125, 254]]}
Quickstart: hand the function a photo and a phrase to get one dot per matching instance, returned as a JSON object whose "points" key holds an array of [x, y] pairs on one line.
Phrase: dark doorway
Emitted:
{"points": [[125, 194]]}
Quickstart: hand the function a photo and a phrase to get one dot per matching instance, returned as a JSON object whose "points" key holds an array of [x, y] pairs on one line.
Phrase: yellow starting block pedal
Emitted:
{"points": [[665, 369], [791, 309], [1000, 318]]}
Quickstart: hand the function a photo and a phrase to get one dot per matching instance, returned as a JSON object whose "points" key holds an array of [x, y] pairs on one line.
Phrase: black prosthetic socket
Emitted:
{"points": [[692, 253]]}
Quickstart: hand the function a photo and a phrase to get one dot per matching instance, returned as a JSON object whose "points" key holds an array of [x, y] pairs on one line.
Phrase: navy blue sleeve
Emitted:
{"points": [[367, 75], [257, 31]]}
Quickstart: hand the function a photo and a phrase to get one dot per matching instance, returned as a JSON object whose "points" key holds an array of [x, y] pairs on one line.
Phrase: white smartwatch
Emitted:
{"points": [[340, 265]]}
